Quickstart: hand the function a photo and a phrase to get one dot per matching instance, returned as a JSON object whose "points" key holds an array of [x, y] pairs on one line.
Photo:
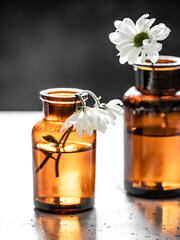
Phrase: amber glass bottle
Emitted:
{"points": [[63, 164], [152, 130]]}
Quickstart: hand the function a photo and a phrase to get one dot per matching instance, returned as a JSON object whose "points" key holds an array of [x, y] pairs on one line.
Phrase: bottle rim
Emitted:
{"points": [[61, 94], [163, 62], [161, 78]]}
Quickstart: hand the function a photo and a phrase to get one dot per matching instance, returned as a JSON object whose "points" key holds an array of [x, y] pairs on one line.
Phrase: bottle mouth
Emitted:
{"points": [[61, 95], [164, 63], [161, 78]]}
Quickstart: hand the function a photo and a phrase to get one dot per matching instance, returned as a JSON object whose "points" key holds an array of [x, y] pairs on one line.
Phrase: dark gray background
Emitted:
{"points": [[65, 44]]}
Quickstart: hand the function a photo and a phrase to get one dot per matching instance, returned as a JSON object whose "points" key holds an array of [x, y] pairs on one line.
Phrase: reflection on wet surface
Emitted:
{"points": [[160, 216], [77, 226]]}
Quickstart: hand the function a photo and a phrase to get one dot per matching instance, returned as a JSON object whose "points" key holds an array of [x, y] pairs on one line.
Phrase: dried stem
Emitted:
{"points": [[62, 140], [43, 163]]}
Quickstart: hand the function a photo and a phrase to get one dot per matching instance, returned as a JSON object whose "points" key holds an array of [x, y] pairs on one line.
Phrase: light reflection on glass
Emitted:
{"points": [[68, 227]]}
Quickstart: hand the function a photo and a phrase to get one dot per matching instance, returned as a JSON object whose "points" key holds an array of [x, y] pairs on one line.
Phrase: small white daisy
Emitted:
{"points": [[113, 109], [88, 119], [134, 40]]}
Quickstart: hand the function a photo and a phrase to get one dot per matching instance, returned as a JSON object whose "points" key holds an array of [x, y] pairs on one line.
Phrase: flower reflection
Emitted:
{"points": [[161, 216], [54, 226]]}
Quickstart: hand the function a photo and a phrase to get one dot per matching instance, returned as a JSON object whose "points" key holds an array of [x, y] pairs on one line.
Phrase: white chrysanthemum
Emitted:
{"points": [[113, 109], [86, 119], [89, 119], [133, 40]]}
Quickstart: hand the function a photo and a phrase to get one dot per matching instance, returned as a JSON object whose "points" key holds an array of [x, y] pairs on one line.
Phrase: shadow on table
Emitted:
{"points": [[75, 226], [161, 216]]}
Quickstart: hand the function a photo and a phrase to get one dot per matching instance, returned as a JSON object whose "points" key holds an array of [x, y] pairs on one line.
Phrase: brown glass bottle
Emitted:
{"points": [[63, 165], [152, 130]]}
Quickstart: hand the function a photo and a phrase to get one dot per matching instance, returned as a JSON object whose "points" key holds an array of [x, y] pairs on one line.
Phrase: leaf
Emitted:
{"points": [[51, 139]]}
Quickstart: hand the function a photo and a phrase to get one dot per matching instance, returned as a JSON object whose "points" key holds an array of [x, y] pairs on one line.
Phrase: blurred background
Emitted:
{"points": [[65, 44]]}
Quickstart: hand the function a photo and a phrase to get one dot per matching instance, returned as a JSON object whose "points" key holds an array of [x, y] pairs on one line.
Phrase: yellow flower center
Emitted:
{"points": [[138, 39]]}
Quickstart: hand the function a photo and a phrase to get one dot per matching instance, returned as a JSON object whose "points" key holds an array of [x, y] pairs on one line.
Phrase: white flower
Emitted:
{"points": [[88, 119], [133, 40], [113, 109]]}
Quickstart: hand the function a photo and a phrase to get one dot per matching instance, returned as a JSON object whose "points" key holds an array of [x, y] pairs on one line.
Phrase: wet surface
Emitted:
{"points": [[116, 215]]}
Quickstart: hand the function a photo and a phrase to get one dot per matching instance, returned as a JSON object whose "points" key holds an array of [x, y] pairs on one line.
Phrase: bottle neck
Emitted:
{"points": [[160, 79], [60, 103], [59, 112]]}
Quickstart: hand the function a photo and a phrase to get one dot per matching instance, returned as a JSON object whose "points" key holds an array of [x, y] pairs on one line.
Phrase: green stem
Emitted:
{"points": [[96, 99], [81, 98]]}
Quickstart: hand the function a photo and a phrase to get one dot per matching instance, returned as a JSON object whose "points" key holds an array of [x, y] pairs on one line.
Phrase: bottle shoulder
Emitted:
{"points": [[133, 95], [45, 125]]}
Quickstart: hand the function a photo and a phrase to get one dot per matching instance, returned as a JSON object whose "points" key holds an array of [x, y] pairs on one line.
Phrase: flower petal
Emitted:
{"points": [[143, 56], [126, 49], [133, 55], [122, 44], [160, 32], [117, 37], [111, 114], [79, 131], [69, 122], [80, 120], [116, 23], [93, 118], [116, 110], [141, 22], [130, 24], [123, 60], [114, 102], [153, 56], [89, 131], [123, 28], [148, 24], [151, 49]]}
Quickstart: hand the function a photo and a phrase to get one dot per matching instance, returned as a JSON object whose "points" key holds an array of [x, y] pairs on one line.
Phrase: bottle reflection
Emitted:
{"points": [[161, 216], [76, 226]]}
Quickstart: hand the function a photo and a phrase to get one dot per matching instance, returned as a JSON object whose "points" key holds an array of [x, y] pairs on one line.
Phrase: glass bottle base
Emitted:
{"points": [[63, 205], [158, 193]]}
